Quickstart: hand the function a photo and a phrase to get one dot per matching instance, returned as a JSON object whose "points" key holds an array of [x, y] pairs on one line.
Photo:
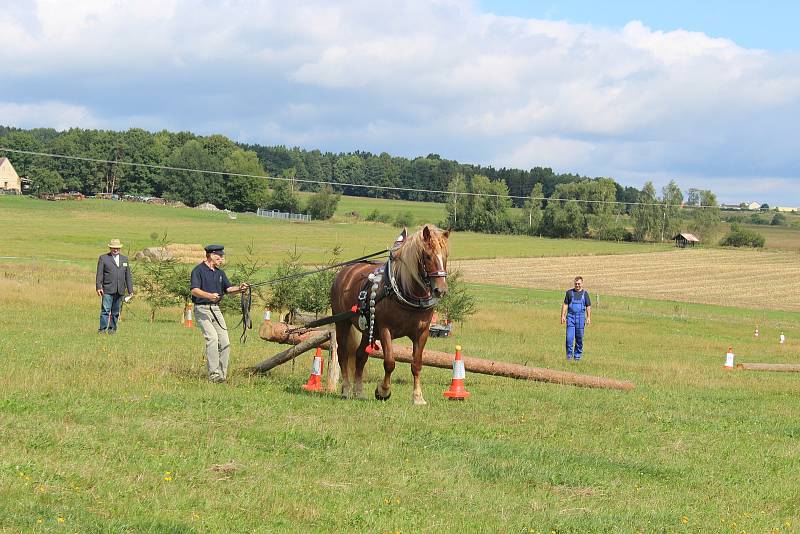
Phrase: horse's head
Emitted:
{"points": [[422, 261], [433, 259]]}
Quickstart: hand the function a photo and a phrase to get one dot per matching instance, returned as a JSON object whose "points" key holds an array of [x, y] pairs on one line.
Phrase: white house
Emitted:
{"points": [[753, 206], [9, 179]]}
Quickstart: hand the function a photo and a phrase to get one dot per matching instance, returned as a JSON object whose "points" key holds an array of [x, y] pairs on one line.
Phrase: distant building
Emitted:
{"points": [[730, 207], [755, 206], [785, 209], [9, 179], [684, 240]]}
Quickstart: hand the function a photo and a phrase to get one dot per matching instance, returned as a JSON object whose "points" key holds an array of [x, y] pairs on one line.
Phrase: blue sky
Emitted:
{"points": [[770, 25], [708, 96]]}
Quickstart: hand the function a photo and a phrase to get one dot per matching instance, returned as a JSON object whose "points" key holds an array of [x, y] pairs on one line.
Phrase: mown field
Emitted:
{"points": [[745, 278], [123, 434]]}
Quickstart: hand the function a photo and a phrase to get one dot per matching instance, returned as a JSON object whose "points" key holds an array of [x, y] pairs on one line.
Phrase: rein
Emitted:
{"points": [[246, 301], [247, 296], [320, 270]]}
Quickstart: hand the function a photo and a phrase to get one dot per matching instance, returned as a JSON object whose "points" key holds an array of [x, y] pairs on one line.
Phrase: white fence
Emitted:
{"points": [[274, 214]]}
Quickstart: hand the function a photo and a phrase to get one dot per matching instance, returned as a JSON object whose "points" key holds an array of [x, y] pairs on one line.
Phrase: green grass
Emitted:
{"points": [[79, 231], [122, 433]]}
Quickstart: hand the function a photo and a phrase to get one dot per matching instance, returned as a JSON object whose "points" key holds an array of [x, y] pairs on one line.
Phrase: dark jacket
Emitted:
{"points": [[113, 279]]}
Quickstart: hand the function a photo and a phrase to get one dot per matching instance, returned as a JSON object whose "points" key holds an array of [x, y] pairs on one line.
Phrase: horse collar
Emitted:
{"points": [[423, 303]]}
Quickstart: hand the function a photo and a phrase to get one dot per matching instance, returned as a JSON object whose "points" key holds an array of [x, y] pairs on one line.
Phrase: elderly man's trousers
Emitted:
{"points": [[218, 346]]}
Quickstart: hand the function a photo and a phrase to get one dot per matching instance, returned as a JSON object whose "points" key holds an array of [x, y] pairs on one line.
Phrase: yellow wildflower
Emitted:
{"points": [[60, 519], [684, 520]]}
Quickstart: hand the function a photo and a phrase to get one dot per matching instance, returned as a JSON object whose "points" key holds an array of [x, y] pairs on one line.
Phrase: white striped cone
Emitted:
{"points": [[457, 390], [729, 359], [315, 380]]}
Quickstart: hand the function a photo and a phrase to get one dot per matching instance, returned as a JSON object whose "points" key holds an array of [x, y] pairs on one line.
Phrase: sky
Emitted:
{"points": [[706, 95]]}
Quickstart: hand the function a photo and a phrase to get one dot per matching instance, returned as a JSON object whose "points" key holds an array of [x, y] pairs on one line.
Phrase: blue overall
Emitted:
{"points": [[576, 319]]}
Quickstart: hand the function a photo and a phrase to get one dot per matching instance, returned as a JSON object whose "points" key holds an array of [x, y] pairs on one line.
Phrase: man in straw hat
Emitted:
{"points": [[113, 280]]}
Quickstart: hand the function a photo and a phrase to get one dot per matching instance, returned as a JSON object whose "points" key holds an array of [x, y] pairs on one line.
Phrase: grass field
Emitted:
{"points": [[75, 231], [775, 237], [123, 434]]}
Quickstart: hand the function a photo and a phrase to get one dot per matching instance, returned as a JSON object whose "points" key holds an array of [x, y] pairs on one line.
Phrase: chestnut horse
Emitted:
{"points": [[402, 293]]}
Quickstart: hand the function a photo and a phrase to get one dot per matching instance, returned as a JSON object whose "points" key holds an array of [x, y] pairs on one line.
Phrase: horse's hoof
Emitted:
{"points": [[381, 398], [419, 402]]}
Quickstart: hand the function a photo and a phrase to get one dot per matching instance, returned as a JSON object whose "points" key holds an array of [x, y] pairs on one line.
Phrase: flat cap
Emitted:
{"points": [[216, 249]]}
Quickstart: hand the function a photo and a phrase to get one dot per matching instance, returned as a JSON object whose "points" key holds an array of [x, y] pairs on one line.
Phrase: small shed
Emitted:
{"points": [[684, 240]]}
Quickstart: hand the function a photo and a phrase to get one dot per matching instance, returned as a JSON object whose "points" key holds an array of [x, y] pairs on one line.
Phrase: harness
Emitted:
{"points": [[380, 284], [426, 302], [375, 289]]}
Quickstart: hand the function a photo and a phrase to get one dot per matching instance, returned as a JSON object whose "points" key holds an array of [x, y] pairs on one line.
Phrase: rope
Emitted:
{"points": [[246, 300], [320, 270]]}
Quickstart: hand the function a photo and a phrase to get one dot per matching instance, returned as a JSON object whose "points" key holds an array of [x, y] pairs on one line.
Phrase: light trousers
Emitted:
{"points": [[218, 346]]}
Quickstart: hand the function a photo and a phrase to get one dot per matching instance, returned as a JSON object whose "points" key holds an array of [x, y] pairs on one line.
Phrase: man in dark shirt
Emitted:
{"points": [[576, 312], [112, 280], [209, 284]]}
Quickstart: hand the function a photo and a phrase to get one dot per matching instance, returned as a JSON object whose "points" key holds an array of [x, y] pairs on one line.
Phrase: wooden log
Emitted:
{"points": [[313, 341], [279, 333], [474, 365], [779, 367], [510, 370]]}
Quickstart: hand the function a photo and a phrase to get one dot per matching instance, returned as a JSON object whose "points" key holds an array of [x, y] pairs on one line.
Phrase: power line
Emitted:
{"points": [[342, 184]]}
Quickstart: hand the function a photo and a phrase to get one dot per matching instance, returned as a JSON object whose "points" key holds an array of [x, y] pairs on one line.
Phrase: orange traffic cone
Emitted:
{"points": [[457, 390], [315, 380], [187, 316], [729, 359]]}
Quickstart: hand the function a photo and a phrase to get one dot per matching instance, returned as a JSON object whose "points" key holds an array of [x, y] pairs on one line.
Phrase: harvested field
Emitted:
{"points": [[751, 279]]}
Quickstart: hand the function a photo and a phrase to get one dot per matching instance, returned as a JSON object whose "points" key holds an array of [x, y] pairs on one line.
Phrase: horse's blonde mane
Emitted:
{"points": [[408, 256]]}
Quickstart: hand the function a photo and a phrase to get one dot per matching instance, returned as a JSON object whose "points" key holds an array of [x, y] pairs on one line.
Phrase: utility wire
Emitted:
{"points": [[342, 184]]}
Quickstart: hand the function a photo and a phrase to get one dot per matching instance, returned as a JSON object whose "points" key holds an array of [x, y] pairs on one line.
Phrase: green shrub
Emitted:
{"points": [[740, 237], [779, 219], [404, 220], [376, 216], [457, 304]]}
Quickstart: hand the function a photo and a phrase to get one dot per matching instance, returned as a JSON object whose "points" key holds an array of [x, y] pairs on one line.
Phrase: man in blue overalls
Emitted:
{"points": [[576, 312]]}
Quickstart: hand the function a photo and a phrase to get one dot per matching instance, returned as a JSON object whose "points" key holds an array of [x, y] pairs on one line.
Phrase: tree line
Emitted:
{"points": [[478, 198], [582, 209], [220, 154]]}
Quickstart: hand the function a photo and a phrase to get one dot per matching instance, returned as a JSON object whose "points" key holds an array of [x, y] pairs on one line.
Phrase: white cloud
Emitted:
{"points": [[413, 77], [49, 114]]}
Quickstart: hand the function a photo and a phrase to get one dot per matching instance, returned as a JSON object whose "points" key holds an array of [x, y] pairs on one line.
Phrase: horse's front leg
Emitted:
{"points": [[384, 389], [416, 368], [361, 361]]}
